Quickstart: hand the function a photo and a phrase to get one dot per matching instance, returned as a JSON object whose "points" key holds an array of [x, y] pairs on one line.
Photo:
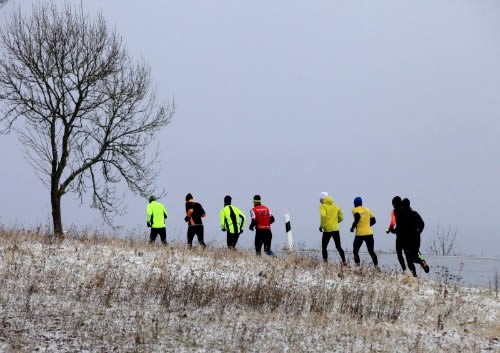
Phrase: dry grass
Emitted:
{"points": [[93, 293]]}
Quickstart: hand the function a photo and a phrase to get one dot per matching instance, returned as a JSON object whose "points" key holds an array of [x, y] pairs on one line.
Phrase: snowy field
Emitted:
{"points": [[97, 295], [468, 271]]}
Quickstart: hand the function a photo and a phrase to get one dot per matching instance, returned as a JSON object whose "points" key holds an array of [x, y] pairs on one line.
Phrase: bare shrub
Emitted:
{"points": [[448, 304], [443, 242]]}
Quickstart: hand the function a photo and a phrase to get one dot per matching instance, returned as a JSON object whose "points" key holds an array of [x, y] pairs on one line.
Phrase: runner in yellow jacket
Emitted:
{"points": [[330, 216], [363, 220]]}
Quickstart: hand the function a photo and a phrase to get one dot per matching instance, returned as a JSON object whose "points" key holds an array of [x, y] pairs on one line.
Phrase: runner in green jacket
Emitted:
{"points": [[155, 218], [232, 221]]}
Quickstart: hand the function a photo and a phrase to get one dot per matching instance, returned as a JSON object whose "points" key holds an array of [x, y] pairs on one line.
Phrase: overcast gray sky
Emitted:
{"points": [[290, 98]]}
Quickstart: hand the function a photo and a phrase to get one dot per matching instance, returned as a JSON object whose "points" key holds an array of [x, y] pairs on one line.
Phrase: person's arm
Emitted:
{"points": [[149, 216], [322, 217], [202, 211], [253, 223], [392, 224], [357, 217], [372, 219], [340, 216], [189, 211], [242, 218], [420, 223], [222, 220]]}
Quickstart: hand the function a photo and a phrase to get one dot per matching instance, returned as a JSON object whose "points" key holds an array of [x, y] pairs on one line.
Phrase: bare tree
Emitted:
{"points": [[84, 112], [444, 241]]}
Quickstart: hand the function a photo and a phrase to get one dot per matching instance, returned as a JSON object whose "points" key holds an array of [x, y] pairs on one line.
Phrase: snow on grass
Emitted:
{"points": [[95, 294]]}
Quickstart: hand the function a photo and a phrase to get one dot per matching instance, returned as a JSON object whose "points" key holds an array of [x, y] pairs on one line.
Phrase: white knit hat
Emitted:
{"points": [[323, 195]]}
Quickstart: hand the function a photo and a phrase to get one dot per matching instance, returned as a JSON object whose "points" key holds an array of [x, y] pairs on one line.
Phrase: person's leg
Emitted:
{"points": [[190, 236], [399, 252], [417, 256], [370, 244], [268, 237], [230, 243], [152, 235], [414, 251], [324, 245], [258, 242], [409, 257], [200, 233], [338, 245], [358, 241], [232, 239], [163, 235], [235, 240], [423, 263]]}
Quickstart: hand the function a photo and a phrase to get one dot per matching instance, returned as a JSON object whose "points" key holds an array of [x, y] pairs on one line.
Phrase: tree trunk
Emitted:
{"points": [[55, 199]]}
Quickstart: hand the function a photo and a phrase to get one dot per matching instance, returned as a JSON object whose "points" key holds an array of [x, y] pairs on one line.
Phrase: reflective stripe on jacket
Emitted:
{"points": [[230, 219]]}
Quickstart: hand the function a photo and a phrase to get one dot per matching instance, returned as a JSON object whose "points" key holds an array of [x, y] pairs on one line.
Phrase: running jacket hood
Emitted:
{"points": [[328, 200]]}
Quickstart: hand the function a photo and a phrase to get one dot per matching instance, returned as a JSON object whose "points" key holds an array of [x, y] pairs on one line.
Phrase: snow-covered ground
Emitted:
{"points": [[110, 295], [469, 271]]}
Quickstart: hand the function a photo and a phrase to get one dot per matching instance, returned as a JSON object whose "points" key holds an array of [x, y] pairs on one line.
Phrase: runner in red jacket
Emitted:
{"points": [[261, 220]]}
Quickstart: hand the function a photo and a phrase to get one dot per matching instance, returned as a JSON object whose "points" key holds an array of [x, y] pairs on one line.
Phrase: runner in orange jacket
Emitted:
{"points": [[396, 204]]}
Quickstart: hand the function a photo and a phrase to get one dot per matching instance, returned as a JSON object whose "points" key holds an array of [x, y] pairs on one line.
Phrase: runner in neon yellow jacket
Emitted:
{"points": [[155, 218], [232, 220]]}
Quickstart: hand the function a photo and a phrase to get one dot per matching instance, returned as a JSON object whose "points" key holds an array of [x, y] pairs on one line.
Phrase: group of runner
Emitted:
{"points": [[405, 223], [232, 221]]}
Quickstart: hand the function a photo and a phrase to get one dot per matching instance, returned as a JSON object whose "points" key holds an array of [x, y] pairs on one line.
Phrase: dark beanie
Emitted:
{"points": [[227, 200], [358, 201], [405, 203], [396, 201], [256, 199], [189, 197]]}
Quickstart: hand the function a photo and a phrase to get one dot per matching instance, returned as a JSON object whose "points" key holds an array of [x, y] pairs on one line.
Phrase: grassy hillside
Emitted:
{"points": [[94, 294]]}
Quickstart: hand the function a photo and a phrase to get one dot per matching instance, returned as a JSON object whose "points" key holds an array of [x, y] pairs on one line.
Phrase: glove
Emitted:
{"points": [[352, 229], [387, 230], [223, 229], [251, 228], [148, 225], [321, 229], [186, 219], [241, 231]]}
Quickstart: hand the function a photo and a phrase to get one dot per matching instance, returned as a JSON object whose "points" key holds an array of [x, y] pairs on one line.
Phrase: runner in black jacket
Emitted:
{"points": [[409, 226], [194, 214]]}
